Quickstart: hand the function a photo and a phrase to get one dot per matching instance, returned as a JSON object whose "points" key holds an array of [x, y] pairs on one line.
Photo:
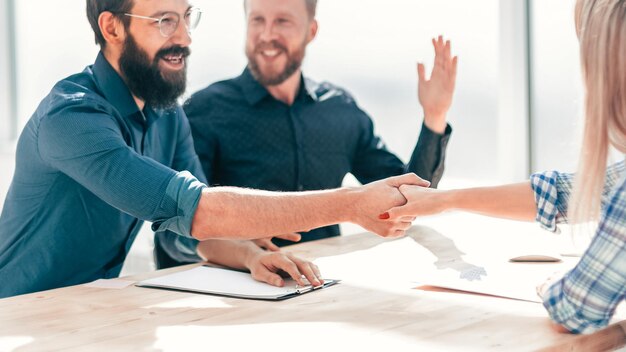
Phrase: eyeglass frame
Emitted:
{"points": [[160, 20]]}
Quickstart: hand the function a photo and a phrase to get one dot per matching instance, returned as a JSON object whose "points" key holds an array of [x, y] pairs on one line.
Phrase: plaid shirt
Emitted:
{"points": [[585, 299]]}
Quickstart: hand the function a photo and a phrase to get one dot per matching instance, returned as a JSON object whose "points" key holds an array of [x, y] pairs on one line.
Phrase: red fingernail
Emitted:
{"points": [[384, 216]]}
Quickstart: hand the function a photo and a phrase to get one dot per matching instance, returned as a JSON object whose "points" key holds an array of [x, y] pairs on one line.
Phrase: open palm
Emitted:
{"points": [[435, 94]]}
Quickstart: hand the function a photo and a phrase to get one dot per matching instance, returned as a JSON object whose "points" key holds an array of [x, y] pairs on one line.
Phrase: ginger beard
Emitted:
{"points": [[264, 62]]}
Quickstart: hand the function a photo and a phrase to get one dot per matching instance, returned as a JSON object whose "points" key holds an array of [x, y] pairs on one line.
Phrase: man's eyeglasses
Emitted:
{"points": [[168, 23]]}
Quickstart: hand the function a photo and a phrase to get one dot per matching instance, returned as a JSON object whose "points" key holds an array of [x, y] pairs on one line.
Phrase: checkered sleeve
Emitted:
{"points": [[585, 299], [553, 191]]}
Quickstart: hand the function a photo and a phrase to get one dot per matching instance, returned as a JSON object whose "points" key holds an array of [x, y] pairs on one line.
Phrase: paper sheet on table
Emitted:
{"points": [[110, 284], [435, 261], [496, 278], [224, 282]]}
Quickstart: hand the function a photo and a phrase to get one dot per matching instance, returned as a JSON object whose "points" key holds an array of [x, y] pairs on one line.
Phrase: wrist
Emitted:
{"points": [[449, 200], [436, 123], [347, 205], [461, 200], [251, 254]]}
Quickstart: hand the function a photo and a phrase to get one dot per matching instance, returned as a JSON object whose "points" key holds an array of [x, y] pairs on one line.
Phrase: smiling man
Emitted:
{"points": [[109, 147], [272, 128]]}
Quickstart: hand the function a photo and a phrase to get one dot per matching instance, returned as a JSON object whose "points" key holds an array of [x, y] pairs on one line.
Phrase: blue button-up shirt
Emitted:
{"points": [[585, 299], [90, 168]]}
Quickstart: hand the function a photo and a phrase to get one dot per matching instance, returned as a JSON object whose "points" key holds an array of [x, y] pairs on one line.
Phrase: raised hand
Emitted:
{"points": [[435, 94]]}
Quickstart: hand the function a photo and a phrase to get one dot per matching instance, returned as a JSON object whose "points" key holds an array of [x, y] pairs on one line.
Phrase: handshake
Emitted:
{"points": [[388, 207]]}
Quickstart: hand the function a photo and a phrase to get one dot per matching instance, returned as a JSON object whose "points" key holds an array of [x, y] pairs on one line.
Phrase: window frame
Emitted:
{"points": [[8, 70], [514, 99]]}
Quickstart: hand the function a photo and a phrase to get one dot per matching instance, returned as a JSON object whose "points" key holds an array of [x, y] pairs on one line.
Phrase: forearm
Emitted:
{"points": [[234, 213], [515, 201], [232, 254]]}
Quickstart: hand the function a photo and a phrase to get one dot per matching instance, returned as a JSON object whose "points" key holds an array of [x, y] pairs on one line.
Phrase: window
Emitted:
{"points": [[556, 87], [7, 74], [513, 134], [49, 48]]}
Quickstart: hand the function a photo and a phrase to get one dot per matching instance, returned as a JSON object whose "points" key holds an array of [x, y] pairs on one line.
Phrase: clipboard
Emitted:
{"points": [[229, 283]]}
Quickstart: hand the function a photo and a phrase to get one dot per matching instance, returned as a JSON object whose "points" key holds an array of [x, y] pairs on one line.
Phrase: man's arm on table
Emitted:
{"points": [[234, 213], [263, 265]]}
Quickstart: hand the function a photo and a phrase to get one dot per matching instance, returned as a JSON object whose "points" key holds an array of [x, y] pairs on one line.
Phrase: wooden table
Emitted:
{"points": [[352, 316]]}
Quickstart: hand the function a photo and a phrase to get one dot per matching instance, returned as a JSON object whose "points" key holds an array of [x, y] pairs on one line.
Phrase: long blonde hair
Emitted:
{"points": [[601, 29]]}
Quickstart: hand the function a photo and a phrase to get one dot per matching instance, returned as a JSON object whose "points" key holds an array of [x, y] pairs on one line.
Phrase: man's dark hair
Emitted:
{"points": [[97, 7], [311, 7]]}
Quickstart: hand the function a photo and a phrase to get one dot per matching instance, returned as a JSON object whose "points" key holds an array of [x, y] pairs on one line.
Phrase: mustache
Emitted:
{"points": [[269, 45], [174, 50]]}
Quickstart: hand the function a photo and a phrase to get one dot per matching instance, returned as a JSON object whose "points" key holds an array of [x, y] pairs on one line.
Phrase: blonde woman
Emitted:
{"points": [[586, 297]]}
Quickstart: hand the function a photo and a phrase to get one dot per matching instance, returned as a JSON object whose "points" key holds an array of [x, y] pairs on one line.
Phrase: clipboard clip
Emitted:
{"points": [[307, 288]]}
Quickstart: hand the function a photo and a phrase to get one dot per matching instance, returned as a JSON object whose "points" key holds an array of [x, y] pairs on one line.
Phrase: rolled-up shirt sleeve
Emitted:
{"points": [[182, 196], [181, 249], [86, 145], [552, 192]]}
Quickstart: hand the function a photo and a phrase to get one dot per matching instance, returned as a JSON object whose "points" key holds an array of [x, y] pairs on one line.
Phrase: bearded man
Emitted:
{"points": [[109, 148], [272, 128]]}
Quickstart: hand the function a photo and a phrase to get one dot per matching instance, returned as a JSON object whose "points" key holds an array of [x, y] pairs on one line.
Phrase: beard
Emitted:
{"points": [[294, 62], [146, 81]]}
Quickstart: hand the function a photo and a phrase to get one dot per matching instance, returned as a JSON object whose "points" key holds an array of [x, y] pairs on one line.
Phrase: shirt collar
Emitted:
{"points": [[310, 89], [254, 92], [113, 87]]}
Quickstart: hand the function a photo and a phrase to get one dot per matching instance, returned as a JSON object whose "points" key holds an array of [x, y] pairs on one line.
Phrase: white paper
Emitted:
{"points": [[112, 284], [497, 278], [427, 258], [221, 282]]}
